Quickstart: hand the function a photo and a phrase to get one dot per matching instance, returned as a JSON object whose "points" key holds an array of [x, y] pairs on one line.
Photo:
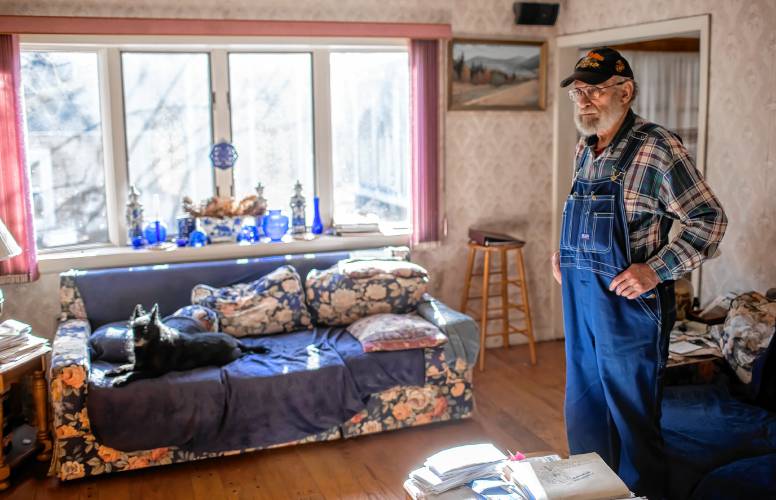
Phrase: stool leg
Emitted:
{"points": [[524, 293], [484, 314], [468, 280], [504, 297]]}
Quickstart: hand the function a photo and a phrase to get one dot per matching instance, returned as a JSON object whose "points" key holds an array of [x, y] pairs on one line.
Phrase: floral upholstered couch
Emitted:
{"points": [[446, 394]]}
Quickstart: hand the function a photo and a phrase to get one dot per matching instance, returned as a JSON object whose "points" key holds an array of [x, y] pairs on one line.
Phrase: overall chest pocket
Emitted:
{"points": [[599, 225]]}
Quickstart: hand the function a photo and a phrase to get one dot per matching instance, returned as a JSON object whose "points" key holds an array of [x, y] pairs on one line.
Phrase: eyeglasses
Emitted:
{"points": [[591, 93]]}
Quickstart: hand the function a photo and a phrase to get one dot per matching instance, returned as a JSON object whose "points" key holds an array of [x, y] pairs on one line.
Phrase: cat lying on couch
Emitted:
{"points": [[158, 349]]}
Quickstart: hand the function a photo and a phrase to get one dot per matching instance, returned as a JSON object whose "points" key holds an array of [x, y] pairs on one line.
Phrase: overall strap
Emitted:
{"points": [[578, 166], [635, 140]]}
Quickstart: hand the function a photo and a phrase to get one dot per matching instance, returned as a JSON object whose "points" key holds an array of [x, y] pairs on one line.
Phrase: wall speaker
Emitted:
{"points": [[536, 13]]}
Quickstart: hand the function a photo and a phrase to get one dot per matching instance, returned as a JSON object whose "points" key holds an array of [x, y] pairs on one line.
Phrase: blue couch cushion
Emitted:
{"points": [[110, 343], [109, 293], [704, 428], [744, 479]]}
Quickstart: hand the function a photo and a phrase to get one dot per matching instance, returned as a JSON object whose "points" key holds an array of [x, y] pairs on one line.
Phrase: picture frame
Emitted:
{"points": [[493, 74]]}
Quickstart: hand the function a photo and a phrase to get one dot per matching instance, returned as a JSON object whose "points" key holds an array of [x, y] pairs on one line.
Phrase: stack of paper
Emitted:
{"points": [[16, 341], [12, 327], [580, 477], [690, 338], [455, 467]]}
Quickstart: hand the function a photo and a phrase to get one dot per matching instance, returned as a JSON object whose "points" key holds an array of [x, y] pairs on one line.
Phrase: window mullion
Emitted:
{"points": [[222, 129], [324, 180], [116, 171]]}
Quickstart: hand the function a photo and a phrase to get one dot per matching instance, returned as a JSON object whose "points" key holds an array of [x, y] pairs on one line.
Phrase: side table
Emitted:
{"points": [[26, 439], [692, 370]]}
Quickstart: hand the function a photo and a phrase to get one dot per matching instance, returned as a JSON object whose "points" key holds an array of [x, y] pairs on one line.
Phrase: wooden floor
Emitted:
{"points": [[518, 407]]}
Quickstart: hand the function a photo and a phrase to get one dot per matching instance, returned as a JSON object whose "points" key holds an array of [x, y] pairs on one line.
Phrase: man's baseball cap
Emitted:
{"points": [[599, 65]]}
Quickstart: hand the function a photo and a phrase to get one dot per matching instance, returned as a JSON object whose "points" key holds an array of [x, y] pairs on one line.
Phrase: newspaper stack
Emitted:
{"points": [[16, 341], [457, 466]]}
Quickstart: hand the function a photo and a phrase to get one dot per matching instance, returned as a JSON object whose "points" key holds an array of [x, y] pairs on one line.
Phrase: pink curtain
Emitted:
{"points": [[15, 204], [424, 68]]}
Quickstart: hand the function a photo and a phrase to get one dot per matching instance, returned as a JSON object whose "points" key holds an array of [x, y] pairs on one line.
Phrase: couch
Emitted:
{"points": [[92, 298], [720, 438]]}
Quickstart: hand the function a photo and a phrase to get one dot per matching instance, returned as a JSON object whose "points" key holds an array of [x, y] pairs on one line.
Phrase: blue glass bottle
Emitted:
{"points": [[317, 227]]}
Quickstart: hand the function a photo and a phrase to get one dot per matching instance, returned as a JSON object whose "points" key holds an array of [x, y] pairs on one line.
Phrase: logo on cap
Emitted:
{"points": [[619, 66], [595, 55]]}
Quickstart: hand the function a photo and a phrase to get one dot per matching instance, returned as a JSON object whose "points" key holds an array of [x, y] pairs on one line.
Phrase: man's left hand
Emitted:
{"points": [[637, 279]]}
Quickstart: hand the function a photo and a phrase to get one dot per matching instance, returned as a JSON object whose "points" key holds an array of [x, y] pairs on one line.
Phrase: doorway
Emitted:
{"points": [[658, 36]]}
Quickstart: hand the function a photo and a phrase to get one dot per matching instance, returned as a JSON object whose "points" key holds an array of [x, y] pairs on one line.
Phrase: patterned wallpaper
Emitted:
{"points": [[741, 153], [499, 164]]}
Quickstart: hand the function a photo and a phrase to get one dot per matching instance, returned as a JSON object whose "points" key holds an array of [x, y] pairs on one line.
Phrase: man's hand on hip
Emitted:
{"points": [[556, 267], [637, 279]]}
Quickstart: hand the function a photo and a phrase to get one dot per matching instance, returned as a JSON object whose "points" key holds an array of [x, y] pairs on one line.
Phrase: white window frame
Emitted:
{"points": [[109, 50]]}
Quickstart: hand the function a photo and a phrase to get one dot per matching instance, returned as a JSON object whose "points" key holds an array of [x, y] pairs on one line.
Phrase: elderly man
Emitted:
{"points": [[616, 266]]}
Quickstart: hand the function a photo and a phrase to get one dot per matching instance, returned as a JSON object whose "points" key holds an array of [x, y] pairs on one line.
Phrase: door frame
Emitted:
{"points": [[564, 131]]}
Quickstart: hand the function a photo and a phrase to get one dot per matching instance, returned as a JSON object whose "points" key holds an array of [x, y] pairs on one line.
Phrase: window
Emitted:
{"points": [[370, 137], [168, 129], [104, 115], [272, 125], [64, 147]]}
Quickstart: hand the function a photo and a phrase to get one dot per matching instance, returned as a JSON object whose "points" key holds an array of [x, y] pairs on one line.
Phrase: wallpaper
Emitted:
{"points": [[498, 165]]}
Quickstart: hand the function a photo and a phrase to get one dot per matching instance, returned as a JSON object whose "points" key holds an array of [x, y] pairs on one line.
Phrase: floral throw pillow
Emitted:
{"points": [[353, 289], [206, 317], [273, 303], [395, 332]]}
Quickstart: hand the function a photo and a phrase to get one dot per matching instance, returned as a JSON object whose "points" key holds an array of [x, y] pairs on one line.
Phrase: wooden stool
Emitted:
{"points": [[505, 306]]}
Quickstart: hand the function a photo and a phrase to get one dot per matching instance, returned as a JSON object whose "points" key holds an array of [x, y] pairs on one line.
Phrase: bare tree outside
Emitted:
{"points": [[64, 147], [370, 137], [168, 129], [168, 125], [272, 125]]}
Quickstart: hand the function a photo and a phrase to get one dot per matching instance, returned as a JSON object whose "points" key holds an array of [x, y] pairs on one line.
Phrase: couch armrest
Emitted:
{"points": [[462, 331], [70, 301], [68, 377]]}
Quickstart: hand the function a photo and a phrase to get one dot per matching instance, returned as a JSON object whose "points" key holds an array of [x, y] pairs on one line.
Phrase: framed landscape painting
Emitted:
{"points": [[497, 74]]}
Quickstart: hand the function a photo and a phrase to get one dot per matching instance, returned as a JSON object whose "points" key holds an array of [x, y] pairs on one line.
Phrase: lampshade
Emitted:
{"points": [[8, 246]]}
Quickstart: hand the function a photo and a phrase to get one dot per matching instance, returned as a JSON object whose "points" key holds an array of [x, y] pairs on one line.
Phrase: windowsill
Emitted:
{"points": [[93, 258]]}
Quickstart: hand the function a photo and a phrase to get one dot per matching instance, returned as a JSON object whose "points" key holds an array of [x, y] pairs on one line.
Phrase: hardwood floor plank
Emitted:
{"points": [[518, 406], [206, 482]]}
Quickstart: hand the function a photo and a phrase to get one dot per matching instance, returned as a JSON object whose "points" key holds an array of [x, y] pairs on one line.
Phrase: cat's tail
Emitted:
{"points": [[259, 349]]}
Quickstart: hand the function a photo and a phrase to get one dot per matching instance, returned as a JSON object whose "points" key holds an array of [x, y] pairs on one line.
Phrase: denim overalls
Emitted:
{"points": [[616, 348]]}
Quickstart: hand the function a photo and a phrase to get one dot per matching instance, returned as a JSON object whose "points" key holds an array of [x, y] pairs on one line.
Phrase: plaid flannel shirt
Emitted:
{"points": [[660, 186]]}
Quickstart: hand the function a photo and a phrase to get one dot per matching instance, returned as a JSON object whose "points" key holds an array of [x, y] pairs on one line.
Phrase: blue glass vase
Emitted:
{"points": [[155, 232], [275, 225], [317, 227]]}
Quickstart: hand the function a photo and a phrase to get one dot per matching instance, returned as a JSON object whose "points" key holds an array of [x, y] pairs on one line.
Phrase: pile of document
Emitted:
{"points": [[580, 477], [16, 341], [690, 338], [454, 467]]}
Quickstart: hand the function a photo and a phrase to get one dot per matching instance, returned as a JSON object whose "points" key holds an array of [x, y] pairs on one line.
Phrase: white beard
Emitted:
{"points": [[605, 120]]}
